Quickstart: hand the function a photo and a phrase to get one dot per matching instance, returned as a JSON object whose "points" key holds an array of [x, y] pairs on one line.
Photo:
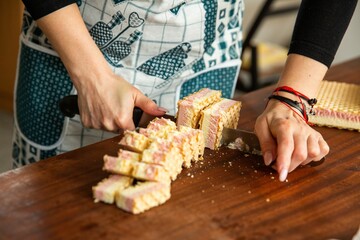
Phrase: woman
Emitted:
{"points": [[120, 54]]}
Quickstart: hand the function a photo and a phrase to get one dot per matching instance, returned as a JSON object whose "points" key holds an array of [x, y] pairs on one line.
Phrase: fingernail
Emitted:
{"points": [[268, 158], [162, 109], [283, 174]]}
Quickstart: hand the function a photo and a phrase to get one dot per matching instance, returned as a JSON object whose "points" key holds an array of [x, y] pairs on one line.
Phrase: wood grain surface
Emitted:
{"points": [[229, 195]]}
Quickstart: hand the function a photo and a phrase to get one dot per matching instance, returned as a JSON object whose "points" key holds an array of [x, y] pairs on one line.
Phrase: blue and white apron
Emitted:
{"points": [[166, 48]]}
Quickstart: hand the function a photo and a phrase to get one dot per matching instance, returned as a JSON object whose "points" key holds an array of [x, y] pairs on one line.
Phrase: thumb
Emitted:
{"points": [[149, 106], [267, 141]]}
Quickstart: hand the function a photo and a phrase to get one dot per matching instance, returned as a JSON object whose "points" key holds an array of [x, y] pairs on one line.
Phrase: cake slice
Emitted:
{"points": [[163, 152], [189, 107], [106, 190], [215, 117], [197, 142], [181, 141], [123, 163], [338, 106], [158, 128], [143, 196], [127, 163], [134, 141], [150, 172]]}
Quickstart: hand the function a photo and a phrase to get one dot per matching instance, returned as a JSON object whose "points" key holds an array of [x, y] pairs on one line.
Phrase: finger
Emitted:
{"points": [[300, 153], [124, 119], [267, 142], [313, 146], [149, 106], [313, 149], [285, 143], [324, 148], [110, 126]]}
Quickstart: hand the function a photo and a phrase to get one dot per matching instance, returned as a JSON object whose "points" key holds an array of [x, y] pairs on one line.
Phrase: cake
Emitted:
{"points": [[106, 190], [181, 141], [130, 165], [122, 164], [143, 196], [158, 128], [150, 172], [163, 152], [215, 117], [338, 106], [153, 156], [134, 141], [189, 107], [197, 142]]}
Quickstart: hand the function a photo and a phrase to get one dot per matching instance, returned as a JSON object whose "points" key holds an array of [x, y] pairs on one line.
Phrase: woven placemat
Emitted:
{"points": [[338, 106]]}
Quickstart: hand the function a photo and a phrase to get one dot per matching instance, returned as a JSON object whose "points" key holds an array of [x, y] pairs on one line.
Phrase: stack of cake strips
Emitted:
{"points": [[152, 157], [209, 112], [141, 174], [338, 106]]}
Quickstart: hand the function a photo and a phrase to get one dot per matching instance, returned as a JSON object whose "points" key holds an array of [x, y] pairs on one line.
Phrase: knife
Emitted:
{"points": [[248, 142], [69, 107], [242, 140]]}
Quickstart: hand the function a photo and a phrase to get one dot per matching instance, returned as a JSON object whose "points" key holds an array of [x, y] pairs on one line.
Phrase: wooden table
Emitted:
{"points": [[229, 196]]}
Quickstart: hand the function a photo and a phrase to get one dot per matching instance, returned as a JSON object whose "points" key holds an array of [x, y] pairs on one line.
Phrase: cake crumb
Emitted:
{"points": [[249, 192], [212, 201], [286, 180], [268, 200], [203, 191], [223, 186], [188, 174], [272, 177], [192, 176], [255, 171]]}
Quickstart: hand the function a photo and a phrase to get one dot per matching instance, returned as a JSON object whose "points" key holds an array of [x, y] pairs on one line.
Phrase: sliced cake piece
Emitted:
{"points": [[197, 142], [143, 196], [338, 106], [123, 163], [181, 140], [189, 107], [134, 141], [106, 189], [128, 164], [150, 172], [214, 118], [158, 128], [163, 152]]}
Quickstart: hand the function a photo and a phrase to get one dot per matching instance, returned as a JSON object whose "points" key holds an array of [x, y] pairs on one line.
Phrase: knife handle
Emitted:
{"points": [[69, 107]]}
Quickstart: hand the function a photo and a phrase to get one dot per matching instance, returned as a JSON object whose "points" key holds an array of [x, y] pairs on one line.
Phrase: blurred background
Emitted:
{"points": [[267, 29]]}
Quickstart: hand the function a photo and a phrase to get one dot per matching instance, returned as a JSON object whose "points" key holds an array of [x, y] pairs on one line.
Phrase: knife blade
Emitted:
{"points": [[242, 140], [69, 107]]}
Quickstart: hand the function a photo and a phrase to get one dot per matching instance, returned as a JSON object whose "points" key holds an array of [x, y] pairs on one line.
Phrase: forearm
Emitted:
{"points": [[70, 38], [303, 74]]}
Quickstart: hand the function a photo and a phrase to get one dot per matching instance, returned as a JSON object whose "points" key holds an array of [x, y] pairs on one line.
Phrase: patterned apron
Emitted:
{"points": [[166, 48]]}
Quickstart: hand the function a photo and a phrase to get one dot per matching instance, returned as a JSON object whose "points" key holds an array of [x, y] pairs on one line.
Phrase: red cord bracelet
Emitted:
{"points": [[300, 96]]}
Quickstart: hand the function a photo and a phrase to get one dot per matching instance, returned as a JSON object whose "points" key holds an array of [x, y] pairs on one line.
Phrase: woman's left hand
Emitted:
{"points": [[287, 139]]}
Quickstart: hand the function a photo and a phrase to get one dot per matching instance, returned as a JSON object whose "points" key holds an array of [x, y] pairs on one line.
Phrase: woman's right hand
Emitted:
{"points": [[109, 104], [106, 101]]}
